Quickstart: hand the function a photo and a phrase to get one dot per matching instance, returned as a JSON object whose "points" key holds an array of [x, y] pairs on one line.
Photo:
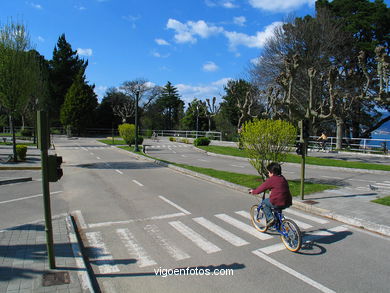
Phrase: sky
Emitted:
{"points": [[197, 45]]}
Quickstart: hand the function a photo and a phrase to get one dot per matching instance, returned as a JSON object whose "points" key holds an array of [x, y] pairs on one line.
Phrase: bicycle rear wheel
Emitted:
{"points": [[258, 219], [293, 236]]}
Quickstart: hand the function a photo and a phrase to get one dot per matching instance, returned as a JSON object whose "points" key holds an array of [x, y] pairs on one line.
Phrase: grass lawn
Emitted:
{"points": [[116, 141], [231, 151], [384, 200], [250, 181]]}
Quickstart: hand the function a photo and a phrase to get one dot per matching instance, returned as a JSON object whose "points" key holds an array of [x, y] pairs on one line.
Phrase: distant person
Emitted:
{"points": [[280, 196], [323, 139]]}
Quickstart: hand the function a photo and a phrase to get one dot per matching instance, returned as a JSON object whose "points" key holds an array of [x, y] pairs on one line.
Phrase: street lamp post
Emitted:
{"points": [[136, 121], [197, 119]]}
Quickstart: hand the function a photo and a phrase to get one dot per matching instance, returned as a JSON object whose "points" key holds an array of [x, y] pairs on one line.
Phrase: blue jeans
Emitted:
{"points": [[267, 207]]}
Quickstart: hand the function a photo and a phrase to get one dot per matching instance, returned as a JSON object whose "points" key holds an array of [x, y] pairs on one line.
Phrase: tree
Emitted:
{"points": [[212, 110], [195, 117], [80, 103], [64, 67], [171, 106], [240, 104], [122, 105], [267, 141], [20, 73]]}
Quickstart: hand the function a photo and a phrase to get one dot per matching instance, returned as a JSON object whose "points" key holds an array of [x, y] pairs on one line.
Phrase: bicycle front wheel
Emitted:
{"points": [[258, 219], [291, 235]]}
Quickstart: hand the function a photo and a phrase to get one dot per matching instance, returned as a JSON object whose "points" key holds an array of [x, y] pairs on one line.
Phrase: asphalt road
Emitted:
{"points": [[139, 219]]}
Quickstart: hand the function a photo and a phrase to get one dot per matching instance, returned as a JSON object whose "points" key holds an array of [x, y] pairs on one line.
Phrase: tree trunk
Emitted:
{"points": [[11, 119], [339, 133]]}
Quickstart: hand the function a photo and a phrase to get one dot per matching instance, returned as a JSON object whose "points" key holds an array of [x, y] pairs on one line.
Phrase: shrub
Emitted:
{"points": [[140, 140], [202, 141], [267, 141], [21, 151], [149, 133], [172, 139], [26, 132], [127, 132], [185, 140]]}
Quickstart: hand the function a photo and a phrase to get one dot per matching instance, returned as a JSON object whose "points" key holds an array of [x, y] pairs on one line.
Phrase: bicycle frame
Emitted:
{"points": [[278, 215]]}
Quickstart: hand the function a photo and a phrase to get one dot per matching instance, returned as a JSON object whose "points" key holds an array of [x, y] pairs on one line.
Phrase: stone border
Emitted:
{"points": [[15, 180]]}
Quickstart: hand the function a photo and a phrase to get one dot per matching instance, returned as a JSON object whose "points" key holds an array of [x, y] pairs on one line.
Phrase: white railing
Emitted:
{"points": [[213, 135]]}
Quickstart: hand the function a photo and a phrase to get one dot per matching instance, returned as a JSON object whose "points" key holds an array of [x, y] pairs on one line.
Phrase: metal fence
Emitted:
{"points": [[365, 145], [213, 135]]}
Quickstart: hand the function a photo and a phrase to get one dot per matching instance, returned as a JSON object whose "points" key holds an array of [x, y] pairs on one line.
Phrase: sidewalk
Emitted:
{"points": [[24, 265]]}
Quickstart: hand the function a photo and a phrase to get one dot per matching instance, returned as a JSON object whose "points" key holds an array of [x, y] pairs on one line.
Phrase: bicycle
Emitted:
{"points": [[289, 231]]}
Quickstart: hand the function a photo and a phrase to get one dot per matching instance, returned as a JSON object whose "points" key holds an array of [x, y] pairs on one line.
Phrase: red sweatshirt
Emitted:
{"points": [[280, 192]]}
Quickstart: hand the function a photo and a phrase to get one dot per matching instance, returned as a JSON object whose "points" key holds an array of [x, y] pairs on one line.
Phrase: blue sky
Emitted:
{"points": [[197, 45]]}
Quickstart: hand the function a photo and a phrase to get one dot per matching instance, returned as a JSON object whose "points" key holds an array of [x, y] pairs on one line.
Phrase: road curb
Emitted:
{"points": [[83, 274], [10, 168], [15, 180]]}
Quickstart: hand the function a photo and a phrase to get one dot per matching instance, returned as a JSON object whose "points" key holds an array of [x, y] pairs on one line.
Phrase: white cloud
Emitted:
{"points": [[162, 42], [35, 5], [84, 52], [210, 66], [159, 55], [100, 91], [187, 32], [239, 20], [256, 61], [202, 92], [41, 39], [256, 41], [229, 4], [132, 19], [278, 5], [79, 7]]}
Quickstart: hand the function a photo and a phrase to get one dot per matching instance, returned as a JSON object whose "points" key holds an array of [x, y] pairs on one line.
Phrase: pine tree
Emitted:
{"points": [[171, 106], [64, 67], [79, 106]]}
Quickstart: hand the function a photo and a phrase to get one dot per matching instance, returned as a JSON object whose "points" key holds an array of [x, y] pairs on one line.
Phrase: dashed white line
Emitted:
{"points": [[138, 183], [98, 158], [120, 172], [238, 166], [174, 205], [293, 272]]}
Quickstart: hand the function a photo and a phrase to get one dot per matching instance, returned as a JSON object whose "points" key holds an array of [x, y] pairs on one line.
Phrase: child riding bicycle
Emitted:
{"points": [[280, 196]]}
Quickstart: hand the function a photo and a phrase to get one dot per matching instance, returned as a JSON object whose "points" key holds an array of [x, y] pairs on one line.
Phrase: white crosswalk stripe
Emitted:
{"points": [[167, 245], [229, 237], [305, 216], [101, 254], [301, 224], [134, 249], [244, 227], [196, 238]]}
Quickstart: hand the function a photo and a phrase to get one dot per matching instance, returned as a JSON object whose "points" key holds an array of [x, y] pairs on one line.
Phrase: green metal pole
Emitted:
{"points": [[136, 122], [303, 158], [43, 141]]}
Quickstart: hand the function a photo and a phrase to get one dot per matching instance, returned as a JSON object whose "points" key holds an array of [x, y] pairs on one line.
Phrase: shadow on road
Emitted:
{"points": [[119, 165]]}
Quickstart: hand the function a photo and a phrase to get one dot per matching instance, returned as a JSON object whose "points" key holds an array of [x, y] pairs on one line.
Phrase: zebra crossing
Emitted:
{"points": [[159, 146], [209, 235]]}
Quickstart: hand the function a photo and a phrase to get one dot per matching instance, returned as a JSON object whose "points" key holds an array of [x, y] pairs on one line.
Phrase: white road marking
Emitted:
{"points": [[196, 238], [302, 225], [302, 215], [244, 227], [172, 150], [105, 224], [202, 160], [80, 218], [292, 272], [361, 180], [184, 156], [98, 158], [120, 172], [91, 154], [134, 249], [27, 197], [224, 234], [138, 183], [330, 177], [85, 149], [238, 166], [104, 259], [169, 247], [174, 205]]}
